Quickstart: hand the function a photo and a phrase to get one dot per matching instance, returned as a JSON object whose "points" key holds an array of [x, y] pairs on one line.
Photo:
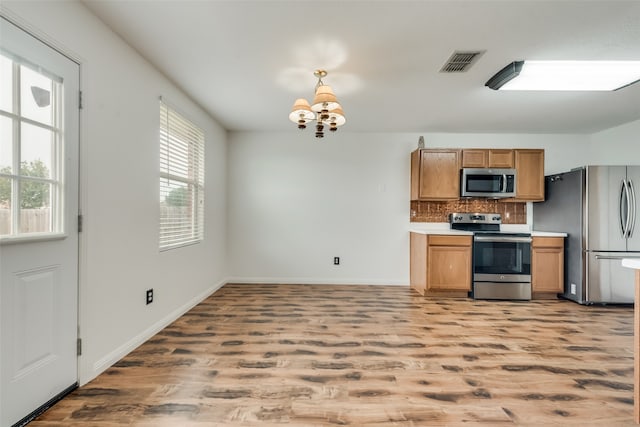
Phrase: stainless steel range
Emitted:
{"points": [[501, 261]]}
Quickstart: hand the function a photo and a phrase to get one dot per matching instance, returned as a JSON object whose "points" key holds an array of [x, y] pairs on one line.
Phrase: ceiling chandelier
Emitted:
{"points": [[325, 110]]}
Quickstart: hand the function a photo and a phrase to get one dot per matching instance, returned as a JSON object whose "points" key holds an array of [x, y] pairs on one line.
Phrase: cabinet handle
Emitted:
{"points": [[502, 239]]}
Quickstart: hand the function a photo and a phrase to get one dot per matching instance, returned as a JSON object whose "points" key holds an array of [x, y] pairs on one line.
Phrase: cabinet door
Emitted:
{"points": [[449, 263], [475, 158], [529, 165], [439, 175], [418, 262], [449, 268], [501, 158], [547, 265]]}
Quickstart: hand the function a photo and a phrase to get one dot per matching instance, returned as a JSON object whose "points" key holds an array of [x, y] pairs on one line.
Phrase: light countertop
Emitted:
{"points": [[547, 234], [443, 229], [446, 232], [631, 263]]}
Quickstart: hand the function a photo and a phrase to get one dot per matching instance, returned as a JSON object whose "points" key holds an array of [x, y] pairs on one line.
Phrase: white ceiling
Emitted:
{"points": [[246, 61]]}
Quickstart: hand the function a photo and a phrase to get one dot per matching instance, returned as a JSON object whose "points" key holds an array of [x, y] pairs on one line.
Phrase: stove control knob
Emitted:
{"points": [[496, 218]]}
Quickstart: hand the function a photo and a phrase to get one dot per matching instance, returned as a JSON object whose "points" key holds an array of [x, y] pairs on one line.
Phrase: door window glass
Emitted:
{"points": [[6, 80], [35, 96], [30, 149], [6, 144], [36, 151]]}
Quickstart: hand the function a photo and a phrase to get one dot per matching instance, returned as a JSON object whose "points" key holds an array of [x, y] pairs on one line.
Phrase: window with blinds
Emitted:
{"points": [[181, 180]]}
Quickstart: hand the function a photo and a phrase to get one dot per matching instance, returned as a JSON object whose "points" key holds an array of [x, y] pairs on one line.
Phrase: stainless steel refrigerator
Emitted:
{"points": [[598, 207]]}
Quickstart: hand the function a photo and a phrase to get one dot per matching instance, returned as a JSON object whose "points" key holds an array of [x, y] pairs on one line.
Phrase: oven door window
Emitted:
{"points": [[502, 258]]}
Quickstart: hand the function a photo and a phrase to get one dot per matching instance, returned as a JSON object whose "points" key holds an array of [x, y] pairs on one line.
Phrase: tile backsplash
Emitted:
{"points": [[428, 211]]}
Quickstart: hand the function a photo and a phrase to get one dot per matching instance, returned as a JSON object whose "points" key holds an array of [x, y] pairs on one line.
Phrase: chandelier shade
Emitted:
{"points": [[336, 119], [301, 112], [325, 99], [324, 110]]}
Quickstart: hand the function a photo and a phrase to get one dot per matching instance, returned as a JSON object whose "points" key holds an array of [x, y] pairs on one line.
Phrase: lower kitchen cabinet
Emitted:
{"points": [[547, 266], [440, 264]]}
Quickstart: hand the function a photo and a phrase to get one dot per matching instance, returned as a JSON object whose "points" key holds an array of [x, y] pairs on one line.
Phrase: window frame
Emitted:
{"points": [[182, 165]]}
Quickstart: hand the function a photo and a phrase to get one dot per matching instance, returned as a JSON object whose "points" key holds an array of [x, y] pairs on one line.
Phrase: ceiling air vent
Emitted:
{"points": [[459, 62]]}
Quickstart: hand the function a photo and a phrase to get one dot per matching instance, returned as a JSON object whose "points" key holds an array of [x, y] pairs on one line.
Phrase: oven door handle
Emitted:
{"points": [[502, 239]]}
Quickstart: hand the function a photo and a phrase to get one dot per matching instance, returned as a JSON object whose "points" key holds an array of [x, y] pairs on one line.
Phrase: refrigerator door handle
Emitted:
{"points": [[616, 257], [623, 198], [632, 205], [627, 226]]}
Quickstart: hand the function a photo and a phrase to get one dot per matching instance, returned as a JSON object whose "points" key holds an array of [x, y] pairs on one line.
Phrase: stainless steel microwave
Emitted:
{"points": [[489, 183]]}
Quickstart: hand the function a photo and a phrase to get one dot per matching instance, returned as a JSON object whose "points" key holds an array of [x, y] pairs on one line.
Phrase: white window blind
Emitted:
{"points": [[181, 180]]}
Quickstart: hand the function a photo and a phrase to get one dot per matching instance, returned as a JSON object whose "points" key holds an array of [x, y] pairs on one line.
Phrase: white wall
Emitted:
{"points": [[296, 202], [617, 146], [119, 195]]}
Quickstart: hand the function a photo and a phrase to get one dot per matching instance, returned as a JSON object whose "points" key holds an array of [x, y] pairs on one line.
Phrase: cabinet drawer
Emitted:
{"points": [[547, 242], [442, 240]]}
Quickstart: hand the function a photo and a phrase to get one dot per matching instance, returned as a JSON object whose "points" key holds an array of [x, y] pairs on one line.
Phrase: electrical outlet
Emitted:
{"points": [[336, 260], [573, 289], [149, 296]]}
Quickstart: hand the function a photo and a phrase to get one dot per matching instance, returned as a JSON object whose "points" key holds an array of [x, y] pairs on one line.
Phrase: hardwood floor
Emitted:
{"points": [[368, 355]]}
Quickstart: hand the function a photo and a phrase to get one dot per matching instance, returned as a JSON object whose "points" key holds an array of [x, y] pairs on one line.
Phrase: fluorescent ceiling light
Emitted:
{"points": [[566, 75]]}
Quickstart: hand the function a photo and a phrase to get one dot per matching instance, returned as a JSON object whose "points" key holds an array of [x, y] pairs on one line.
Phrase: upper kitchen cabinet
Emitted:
{"points": [[435, 174], [473, 158], [487, 158], [501, 159], [529, 164]]}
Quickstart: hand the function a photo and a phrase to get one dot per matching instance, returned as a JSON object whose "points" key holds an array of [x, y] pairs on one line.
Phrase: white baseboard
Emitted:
{"points": [[312, 281], [111, 358]]}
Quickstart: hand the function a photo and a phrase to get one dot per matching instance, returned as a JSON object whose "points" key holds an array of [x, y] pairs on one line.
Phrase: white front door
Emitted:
{"points": [[39, 120]]}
